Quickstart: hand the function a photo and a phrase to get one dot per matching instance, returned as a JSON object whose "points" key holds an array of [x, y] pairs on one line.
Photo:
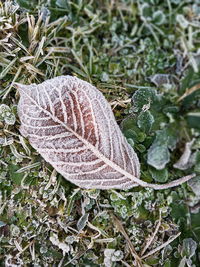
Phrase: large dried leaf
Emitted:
{"points": [[69, 122]]}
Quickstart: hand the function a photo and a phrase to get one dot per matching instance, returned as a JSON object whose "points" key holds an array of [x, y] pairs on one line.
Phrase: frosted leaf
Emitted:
{"points": [[55, 241], [3, 109], [108, 253], [146, 11], [161, 79], [15, 231], [159, 175], [10, 120], [145, 98], [159, 17], [145, 121], [104, 77], [158, 156], [158, 153], [117, 255], [70, 123], [189, 247], [195, 185], [183, 163], [183, 22], [6, 114], [82, 222]]}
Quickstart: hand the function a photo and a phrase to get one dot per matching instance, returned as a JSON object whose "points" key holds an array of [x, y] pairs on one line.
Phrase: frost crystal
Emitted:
{"points": [[6, 115]]}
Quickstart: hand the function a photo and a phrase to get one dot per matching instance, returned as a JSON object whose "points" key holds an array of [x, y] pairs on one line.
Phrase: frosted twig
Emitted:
{"points": [[161, 246], [149, 242], [123, 232]]}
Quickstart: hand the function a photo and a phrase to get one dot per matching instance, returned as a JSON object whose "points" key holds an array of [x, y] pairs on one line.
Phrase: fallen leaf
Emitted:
{"points": [[70, 123]]}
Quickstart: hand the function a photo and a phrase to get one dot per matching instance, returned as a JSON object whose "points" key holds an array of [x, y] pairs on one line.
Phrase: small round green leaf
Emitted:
{"points": [[158, 156], [159, 175], [159, 17], [145, 121]]}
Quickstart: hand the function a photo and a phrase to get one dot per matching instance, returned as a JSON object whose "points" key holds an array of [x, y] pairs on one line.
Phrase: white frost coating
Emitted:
{"points": [[87, 146], [55, 241], [184, 162]]}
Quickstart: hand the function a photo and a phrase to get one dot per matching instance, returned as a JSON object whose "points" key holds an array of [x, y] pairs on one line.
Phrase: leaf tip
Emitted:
{"points": [[17, 85], [22, 88]]}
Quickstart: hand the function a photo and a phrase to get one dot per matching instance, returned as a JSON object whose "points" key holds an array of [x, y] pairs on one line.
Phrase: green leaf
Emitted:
{"points": [[27, 4], [15, 177], [131, 134], [171, 109], [146, 10], [159, 175], [145, 121], [159, 17], [194, 184], [193, 119], [191, 79], [128, 123], [167, 263], [197, 162], [189, 247], [82, 222], [179, 211], [195, 219], [146, 97], [141, 137], [140, 148], [131, 142], [131, 130], [62, 3], [158, 156], [74, 196]]}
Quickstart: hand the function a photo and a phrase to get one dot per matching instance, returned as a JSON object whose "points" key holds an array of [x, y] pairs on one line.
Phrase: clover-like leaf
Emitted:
{"points": [[189, 247], [158, 154], [146, 98], [159, 17], [159, 175], [145, 121]]}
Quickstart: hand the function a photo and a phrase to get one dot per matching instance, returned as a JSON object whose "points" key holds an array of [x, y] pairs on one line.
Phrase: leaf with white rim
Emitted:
{"points": [[70, 123]]}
